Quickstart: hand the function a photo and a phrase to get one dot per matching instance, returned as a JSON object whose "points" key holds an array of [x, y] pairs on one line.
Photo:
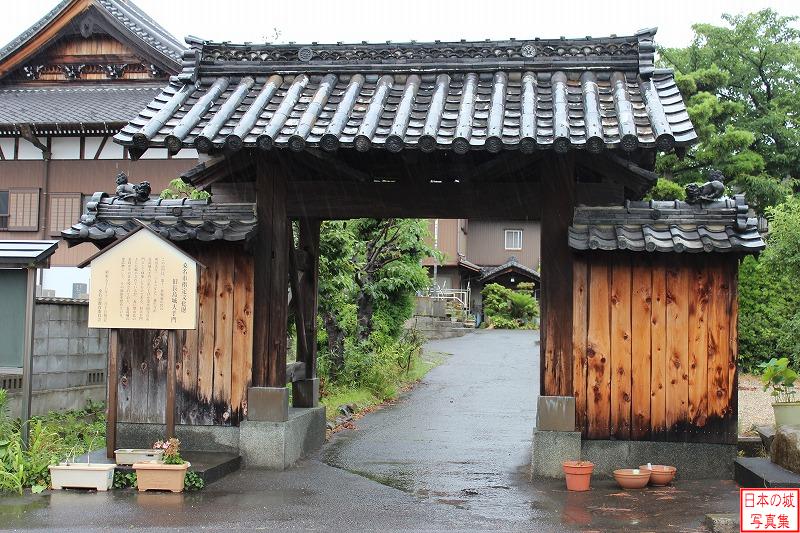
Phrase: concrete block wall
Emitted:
{"points": [[69, 359]]}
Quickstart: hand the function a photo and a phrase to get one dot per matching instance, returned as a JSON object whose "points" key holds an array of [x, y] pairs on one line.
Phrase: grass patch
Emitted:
{"points": [[364, 397]]}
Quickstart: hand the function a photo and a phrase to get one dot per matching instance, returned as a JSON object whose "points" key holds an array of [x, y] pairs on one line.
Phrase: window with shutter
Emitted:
{"points": [[23, 210], [65, 210]]}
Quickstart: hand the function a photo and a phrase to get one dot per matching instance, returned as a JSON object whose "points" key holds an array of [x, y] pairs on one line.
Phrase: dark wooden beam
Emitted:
{"points": [[172, 352], [270, 255], [309, 289], [558, 203], [505, 166], [343, 200], [619, 170], [297, 297], [112, 382]]}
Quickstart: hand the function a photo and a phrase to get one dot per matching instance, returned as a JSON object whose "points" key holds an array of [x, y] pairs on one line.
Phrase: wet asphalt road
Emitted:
{"points": [[450, 455], [462, 437]]}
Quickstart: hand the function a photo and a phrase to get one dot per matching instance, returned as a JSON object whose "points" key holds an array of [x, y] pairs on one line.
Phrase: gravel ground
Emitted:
{"points": [[755, 405]]}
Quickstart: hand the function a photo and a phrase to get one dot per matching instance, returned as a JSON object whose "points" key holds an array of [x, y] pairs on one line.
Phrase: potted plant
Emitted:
{"points": [[88, 475], [780, 378], [578, 474], [167, 475], [129, 456]]}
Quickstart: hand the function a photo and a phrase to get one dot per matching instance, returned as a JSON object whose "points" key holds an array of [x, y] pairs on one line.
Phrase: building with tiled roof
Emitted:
{"points": [[67, 85]]}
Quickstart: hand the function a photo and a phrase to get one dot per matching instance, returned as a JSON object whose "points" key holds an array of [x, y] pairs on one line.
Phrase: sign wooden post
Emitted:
{"points": [[142, 281]]}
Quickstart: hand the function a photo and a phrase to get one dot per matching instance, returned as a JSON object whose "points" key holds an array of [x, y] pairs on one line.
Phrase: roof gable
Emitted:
{"points": [[120, 19]]}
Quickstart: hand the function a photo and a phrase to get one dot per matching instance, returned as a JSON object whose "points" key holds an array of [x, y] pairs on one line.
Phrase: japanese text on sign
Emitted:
{"points": [[769, 510], [145, 283]]}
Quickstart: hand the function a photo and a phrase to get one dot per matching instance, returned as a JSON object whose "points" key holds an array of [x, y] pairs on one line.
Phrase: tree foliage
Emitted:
{"points": [[369, 273], [509, 309], [178, 189], [739, 83], [769, 301], [665, 189]]}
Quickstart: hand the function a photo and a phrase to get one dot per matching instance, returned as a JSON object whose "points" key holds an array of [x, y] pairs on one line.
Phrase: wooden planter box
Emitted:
{"points": [[82, 476], [131, 456], [158, 476]]}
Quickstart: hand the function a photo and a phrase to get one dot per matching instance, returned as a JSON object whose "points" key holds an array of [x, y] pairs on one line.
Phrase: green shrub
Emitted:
{"points": [[506, 308], [193, 481], [179, 189], [123, 480], [665, 189], [52, 438], [769, 298]]}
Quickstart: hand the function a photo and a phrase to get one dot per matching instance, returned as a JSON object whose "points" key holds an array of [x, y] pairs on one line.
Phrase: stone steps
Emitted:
{"points": [[757, 472]]}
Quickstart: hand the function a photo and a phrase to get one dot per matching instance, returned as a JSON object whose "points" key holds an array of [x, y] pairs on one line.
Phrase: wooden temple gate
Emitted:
{"points": [[510, 129]]}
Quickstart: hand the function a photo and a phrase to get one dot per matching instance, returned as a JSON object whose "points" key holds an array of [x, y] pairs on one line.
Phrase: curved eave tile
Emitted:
{"points": [[504, 110]]}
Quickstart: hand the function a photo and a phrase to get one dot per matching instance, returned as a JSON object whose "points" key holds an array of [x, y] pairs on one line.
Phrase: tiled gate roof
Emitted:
{"points": [[494, 95], [719, 226], [108, 218]]}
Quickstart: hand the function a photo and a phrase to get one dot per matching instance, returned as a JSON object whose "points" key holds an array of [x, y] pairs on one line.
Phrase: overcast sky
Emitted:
{"points": [[422, 20]]}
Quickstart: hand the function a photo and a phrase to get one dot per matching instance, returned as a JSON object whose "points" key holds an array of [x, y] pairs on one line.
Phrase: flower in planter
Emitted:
{"points": [[172, 453]]}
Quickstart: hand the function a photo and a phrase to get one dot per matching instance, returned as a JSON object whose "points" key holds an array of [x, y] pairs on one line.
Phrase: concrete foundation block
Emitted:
{"points": [[268, 404], [550, 448], [693, 460], [305, 393], [555, 413], [193, 438], [279, 445]]}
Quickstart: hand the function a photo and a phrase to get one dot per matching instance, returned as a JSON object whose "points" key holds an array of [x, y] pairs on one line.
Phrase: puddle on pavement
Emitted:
{"points": [[10, 510]]}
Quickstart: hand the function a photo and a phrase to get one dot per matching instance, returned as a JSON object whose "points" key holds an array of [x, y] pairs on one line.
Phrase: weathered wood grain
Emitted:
{"points": [[242, 357], [207, 311], [641, 316], [597, 351], [733, 353], [658, 369], [677, 348], [112, 383], [698, 342], [718, 348], [169, 407], [156, 375], [223, 338], [558, 202], [620, 352], [580, 314]]}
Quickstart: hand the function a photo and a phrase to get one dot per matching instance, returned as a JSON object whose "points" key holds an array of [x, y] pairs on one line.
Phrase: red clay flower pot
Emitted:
{"points": [[629, 478], [660, 475], [578, 474]]}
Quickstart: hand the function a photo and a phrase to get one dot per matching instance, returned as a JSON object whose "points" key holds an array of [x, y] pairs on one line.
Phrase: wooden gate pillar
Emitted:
{"points": [[304, 276], [271, 256], [558, 202]]}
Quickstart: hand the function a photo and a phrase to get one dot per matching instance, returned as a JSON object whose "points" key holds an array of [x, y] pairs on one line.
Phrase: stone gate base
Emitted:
{"points": [[693, 460], [279, 445], [555, 440], [273, 445]]}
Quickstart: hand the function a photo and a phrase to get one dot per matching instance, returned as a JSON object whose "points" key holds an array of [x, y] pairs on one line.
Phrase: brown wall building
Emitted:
{"points": [[67, 85], [477, 252]]}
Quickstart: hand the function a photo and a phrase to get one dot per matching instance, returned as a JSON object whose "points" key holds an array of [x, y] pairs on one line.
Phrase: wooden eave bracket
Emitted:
{"points": [[26, 132]]}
